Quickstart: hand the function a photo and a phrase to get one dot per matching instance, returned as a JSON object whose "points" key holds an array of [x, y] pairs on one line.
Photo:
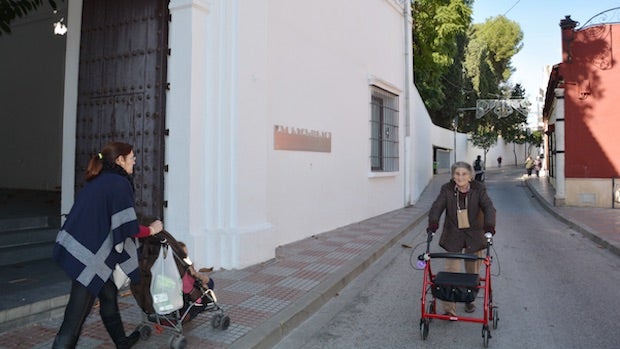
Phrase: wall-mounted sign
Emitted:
{"points": [[302, 139]]}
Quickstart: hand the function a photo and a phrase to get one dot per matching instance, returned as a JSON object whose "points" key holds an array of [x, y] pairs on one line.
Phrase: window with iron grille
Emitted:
{"points": [[383, 131]]}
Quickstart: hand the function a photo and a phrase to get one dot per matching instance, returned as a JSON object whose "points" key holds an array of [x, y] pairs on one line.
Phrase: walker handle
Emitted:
{"points": [[489, 236], [453, 255]]}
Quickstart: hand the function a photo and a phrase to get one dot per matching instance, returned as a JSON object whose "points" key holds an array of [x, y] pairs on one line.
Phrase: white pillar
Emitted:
{"points": [[215, 186], [69, 124], [560, 156], [185, 119], [221, 136]]}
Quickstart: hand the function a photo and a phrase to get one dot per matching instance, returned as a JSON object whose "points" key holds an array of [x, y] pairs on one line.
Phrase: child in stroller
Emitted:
{"points": [[198, 294], [197, 287]]}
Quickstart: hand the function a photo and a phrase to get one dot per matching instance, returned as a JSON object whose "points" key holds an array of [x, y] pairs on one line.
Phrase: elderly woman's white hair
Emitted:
{"points": [[462, 164]]}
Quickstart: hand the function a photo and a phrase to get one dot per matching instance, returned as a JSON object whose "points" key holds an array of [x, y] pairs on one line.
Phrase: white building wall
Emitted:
{"points": [[320, 69], [422, 136], [247, 66]]}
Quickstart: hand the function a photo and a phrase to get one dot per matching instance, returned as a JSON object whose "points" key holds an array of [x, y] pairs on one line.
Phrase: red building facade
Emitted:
{"points": [[582, 116]]}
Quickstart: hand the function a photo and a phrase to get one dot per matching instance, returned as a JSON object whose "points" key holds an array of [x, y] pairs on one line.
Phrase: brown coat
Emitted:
{"points": [[480, 211]]}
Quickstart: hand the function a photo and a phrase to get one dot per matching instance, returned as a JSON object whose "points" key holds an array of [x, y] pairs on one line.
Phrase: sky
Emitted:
{"points": [[540, 23]]}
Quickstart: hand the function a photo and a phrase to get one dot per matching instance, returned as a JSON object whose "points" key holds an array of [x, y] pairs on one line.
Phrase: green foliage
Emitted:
{"points": [[536, 138], [455, 94], [485, 138], [439, 37], [492, 45], [12, 9], [456, 63]]}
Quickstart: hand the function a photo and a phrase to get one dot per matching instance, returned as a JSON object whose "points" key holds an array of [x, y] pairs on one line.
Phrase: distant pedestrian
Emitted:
{"points": [[469, 214], [529, 165], [478, 168], [499, 161], [537, 166]]}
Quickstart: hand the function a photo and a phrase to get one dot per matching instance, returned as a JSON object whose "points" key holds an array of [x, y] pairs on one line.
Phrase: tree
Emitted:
{"points": [[492, 45], [484, 137], [534, 139], [439, 38], [12, 9], [456, 88]]}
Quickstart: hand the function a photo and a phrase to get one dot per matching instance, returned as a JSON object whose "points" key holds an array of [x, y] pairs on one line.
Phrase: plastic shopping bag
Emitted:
{"points": [[166, 285]]}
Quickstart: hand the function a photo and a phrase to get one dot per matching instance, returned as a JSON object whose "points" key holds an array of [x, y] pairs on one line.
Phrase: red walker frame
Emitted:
{"points": [[429, 309]]}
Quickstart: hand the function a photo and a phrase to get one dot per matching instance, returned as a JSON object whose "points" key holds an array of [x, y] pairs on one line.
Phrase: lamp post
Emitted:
{"points": [[454, 126]]}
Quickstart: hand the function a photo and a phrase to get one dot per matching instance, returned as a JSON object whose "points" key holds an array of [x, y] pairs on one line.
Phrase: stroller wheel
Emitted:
{"points": [[216, 320], [177, 342], [225, 322], [145, 332]]}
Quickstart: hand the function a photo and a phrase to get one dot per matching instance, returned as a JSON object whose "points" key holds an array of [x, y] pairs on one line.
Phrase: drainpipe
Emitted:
{"points": [[407, 82], [560, 156]]}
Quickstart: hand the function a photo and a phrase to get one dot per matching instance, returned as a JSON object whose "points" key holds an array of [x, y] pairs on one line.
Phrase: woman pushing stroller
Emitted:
{"points": [[96, 237]]}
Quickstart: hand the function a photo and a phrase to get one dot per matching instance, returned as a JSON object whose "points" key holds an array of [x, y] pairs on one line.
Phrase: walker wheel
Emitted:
{"points": [[216, 320], [424, 327], [486, 334], [495, 317], [432, 309]]}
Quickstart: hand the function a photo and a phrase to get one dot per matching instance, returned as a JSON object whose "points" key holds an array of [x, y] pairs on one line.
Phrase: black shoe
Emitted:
{"points": [[64, 342]]}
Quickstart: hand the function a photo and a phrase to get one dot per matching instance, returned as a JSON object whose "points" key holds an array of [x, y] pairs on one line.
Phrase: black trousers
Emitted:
{"points": [[80, 303]]}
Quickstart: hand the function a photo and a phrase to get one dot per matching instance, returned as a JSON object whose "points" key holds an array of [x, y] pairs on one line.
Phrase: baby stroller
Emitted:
{"points": [[197, 299], [456, 287]]}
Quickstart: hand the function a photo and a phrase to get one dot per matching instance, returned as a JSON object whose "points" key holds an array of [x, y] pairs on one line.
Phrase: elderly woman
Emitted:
{"points": [[469, 214]]}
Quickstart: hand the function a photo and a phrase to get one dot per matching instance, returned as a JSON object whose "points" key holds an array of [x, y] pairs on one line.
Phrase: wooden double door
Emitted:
{"points": [[122, 88]]}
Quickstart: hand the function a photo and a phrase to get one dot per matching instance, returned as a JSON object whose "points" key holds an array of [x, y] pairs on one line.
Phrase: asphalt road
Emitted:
{"points": [[554, 289]]}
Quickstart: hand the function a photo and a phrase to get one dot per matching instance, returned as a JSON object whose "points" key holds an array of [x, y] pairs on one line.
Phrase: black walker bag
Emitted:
{"points": [[455, 287]]}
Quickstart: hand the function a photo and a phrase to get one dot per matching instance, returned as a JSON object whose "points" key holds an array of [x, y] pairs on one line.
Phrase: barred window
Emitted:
{"points": [[383, 131]]}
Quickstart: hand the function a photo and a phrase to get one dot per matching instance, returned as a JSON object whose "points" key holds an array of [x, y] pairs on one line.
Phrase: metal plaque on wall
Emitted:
{"points": [[301, 139]]}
